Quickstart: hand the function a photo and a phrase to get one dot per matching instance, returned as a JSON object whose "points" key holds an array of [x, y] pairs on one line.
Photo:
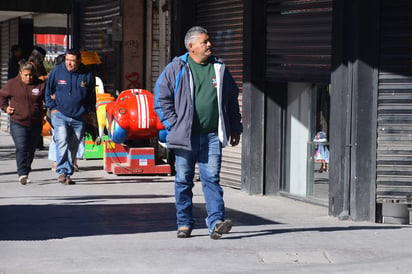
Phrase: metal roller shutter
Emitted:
{"points": [[96, 19], [224, 22], [158, 46], [299, 34], [394, 145], [8, 37], [5, 51]]}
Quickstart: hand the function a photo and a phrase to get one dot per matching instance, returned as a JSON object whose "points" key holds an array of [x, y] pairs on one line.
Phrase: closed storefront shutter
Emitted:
{"points": [[8, 37], [298, 41], [5, 51], [224, 23], [95, 34], [394, 145], [158, 46]]}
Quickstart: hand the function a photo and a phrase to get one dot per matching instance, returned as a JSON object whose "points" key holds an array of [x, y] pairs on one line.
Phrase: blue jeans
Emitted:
{"points": [[52, 149], [25, 139], [207, 152], [68, 132]]}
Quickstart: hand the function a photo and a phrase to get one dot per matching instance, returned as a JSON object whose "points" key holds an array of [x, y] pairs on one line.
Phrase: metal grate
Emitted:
{"points": [[224, 23], [299, 40], [95, 35], [394, 140]]}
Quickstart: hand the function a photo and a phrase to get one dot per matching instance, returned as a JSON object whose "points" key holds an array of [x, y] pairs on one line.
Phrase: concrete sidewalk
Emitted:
{"points": [[126, 224]]}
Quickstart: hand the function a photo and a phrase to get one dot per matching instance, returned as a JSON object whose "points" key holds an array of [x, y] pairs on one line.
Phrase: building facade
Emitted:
{"points": [[338, 67], [325, 90]]}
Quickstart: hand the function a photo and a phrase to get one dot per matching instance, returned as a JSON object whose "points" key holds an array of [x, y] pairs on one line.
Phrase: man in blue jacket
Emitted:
{"points": [[70, 93], [196, 99]]}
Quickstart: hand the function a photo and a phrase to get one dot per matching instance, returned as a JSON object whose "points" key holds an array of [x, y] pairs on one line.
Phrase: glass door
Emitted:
{"points": [[307, 144]]}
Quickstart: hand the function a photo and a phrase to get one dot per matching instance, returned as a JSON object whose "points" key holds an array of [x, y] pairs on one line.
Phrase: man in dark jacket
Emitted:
{"points": [[70, 93], [13, 65], [196, 99]]}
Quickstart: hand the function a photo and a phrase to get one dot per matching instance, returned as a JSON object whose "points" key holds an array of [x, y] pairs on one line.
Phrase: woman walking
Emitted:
{"points": [[22, 98]]}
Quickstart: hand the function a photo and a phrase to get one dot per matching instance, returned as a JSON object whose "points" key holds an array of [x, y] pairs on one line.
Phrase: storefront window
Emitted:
{"points": [[50, 32], [54, 44]]}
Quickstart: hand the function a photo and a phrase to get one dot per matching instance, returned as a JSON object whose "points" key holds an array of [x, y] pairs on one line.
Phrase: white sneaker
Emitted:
{"points": [[24, 179]]}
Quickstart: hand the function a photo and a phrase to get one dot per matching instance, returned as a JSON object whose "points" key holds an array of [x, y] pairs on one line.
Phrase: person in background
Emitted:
{"points": [[22, 98], [196, 99], [13, 65], [322, 152], [70, 93], [37, 58]]}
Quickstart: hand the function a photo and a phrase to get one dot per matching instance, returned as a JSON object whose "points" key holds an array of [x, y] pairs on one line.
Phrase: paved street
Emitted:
{"points": [[126, 224]]}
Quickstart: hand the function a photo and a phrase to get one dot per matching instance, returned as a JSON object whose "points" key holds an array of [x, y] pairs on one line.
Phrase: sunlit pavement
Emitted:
{"points": [[126, 224]]}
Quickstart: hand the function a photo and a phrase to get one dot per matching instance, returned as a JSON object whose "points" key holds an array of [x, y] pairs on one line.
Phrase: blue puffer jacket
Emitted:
{"points": [[75, 91], [173, 102]]}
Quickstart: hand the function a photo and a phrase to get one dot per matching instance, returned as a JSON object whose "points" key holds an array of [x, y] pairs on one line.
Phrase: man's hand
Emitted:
{"points": [[234, 139]]}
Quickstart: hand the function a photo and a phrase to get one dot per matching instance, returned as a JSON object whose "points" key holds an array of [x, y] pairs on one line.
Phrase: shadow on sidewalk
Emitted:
{"points": [[98, 181], [8, 155], [43, 222], [266, 232]]}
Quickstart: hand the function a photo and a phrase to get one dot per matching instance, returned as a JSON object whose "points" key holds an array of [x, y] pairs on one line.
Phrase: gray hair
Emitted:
{"points": [[192, 33], [26, 65]]}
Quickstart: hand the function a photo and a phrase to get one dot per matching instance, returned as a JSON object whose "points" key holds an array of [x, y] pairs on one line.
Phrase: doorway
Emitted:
{"points": [[307, 145]]}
